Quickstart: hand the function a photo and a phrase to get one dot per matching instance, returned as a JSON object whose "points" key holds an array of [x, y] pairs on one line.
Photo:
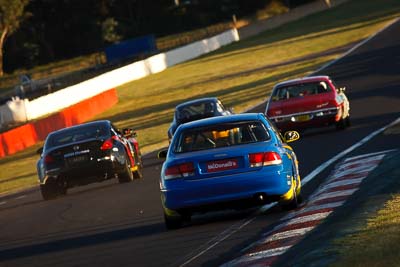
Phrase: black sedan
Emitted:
{"points": [[197, 109], [83, 154]]}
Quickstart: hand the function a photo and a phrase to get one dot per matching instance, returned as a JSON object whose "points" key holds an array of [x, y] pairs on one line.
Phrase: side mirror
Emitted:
{"points": [[231, 110], [162, 154], [39, 151], [291, 136]]}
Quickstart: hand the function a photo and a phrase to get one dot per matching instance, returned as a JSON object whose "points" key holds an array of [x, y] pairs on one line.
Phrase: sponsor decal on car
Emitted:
{"points": [[222, 165]]}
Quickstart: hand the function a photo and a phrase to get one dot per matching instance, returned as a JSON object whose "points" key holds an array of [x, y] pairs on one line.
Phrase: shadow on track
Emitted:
{"points": [[81, 241]]}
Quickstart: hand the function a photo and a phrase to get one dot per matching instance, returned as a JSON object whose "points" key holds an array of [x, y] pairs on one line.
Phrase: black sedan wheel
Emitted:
{"points": [[52, 190]]}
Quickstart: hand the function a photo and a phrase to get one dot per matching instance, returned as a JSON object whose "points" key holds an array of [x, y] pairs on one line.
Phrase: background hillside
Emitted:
{"points": [[57, 30]]}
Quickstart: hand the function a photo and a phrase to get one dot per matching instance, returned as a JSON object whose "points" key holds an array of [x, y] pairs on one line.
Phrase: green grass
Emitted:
{"points": [[378, 243], [370, 235], [19, 170], [241, 74]]}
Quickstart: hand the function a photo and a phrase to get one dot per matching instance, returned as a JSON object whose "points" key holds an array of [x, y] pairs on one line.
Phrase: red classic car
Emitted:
{"points": [[308, 102]]}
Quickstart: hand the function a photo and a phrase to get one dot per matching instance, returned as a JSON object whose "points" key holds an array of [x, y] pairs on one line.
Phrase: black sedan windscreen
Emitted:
{"points": [[221, 135], [77, 134]]}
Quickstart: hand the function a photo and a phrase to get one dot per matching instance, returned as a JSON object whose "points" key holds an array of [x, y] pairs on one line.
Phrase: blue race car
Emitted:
{"points": [[236, 161]]}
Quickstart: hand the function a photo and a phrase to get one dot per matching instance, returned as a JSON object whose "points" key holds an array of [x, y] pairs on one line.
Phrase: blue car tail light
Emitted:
{"points": [[179, 171], [264, 159]]}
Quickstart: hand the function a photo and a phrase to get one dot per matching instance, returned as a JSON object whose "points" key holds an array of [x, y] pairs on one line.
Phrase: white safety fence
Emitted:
{"points": [[18, 110]]}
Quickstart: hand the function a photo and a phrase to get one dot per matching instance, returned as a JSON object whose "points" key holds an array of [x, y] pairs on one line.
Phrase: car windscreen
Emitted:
{"points": [[195, 111], [221, 135], [76, 134], [299, 90]]}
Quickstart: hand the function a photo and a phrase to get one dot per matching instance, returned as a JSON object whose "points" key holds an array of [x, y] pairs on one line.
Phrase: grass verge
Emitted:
{"points": [[376, 241], [377, 244], [241, 74]]}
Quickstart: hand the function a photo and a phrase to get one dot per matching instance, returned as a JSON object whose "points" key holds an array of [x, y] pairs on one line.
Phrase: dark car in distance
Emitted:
{"points": [[83, 154], [195, 110]]}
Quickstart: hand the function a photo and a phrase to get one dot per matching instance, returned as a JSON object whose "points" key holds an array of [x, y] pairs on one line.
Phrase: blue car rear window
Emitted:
{"points": [[221, 135]]}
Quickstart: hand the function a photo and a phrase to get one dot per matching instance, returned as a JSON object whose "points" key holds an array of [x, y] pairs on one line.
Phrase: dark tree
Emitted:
{"points": [[11, 15], [65, 29]]}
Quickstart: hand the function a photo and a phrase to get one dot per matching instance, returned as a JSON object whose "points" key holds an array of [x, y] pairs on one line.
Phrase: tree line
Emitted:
{"points": [[35, 32]]}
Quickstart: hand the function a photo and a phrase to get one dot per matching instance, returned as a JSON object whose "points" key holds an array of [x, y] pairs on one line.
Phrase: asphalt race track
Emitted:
{"points": [[111, 224]]}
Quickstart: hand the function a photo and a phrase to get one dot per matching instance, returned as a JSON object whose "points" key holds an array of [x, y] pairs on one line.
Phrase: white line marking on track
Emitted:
{"points": [[21, 197], [349, 177], [3, 203], [300, 214], [342, 183], [347, 174], [314, 208], [323, 166], [286, 234], [354, 47], [358, 167], [309, 218], [369, 154], [358, 162], [257, 255], [334, 194], [268, 253], [218, 239]]}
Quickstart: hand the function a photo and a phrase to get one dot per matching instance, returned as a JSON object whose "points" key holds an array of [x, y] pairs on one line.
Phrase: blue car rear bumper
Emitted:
{"points": [[190, 194]]}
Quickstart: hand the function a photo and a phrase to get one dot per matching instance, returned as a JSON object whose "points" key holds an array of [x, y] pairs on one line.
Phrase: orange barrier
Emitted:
{"points": [[19, 138], [29, 134], [2, 152]]}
